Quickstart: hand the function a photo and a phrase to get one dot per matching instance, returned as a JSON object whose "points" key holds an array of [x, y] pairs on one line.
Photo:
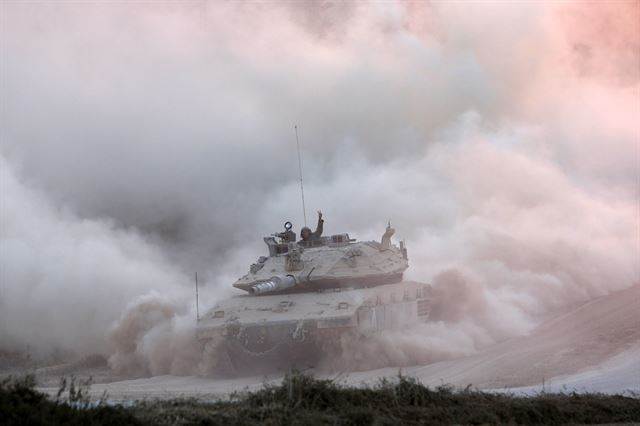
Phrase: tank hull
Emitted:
{"points": [[249, 335]]}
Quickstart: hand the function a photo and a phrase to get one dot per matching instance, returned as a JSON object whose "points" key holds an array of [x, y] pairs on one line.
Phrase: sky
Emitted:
{"points": [[144, 141]]}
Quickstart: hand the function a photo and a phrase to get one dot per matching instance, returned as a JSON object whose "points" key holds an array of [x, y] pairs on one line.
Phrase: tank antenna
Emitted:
{"points": [[197, 304], [304, 210]]}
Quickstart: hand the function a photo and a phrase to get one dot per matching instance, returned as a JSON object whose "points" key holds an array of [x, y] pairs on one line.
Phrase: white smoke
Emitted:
{"points": [[65, 279], [141, 143]]}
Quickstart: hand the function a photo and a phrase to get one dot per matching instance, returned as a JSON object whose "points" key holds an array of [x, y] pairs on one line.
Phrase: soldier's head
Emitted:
{"points": [[305, 233]]}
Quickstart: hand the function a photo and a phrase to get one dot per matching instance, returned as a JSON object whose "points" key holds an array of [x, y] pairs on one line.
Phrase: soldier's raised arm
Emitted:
{"points": [[320, 226]]}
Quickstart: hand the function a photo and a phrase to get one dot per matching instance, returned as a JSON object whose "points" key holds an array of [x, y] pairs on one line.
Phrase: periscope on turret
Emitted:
{"points": [[303, 295]]}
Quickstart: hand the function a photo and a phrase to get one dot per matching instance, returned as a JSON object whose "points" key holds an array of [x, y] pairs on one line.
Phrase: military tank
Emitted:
{"points": [[304, 296]]}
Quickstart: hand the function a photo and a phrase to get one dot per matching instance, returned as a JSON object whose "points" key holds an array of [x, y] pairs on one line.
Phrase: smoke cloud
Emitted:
{"points": [[152, 337], [141, 142]]}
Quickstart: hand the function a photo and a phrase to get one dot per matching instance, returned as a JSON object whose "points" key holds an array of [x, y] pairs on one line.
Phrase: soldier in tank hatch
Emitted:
{"points": [[288, 236], [310, 237]]}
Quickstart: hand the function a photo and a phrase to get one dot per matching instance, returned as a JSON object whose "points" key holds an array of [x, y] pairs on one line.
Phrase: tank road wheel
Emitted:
{"points": [[216, 360]]}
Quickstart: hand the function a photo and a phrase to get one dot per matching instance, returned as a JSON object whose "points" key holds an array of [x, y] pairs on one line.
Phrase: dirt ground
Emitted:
{"points": [[595, 348]]}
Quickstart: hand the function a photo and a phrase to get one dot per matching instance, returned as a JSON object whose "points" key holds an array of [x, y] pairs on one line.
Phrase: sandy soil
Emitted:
{"points": [[580, 340], [595, 347]]}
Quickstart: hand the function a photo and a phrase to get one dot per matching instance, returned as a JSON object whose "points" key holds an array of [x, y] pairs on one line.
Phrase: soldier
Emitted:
{"points": [[308, 236], [288, 236]]}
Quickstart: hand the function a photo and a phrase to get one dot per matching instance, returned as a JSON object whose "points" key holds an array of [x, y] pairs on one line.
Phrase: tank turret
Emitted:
{"points": [[335, 261]]}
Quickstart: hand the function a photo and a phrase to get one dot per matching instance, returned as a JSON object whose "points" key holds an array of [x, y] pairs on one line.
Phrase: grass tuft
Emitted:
{"points": [[301, 399], [21, 404]]}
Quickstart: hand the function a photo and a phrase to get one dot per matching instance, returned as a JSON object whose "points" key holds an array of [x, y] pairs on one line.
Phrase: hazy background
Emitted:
{"points": [[143, 141]]}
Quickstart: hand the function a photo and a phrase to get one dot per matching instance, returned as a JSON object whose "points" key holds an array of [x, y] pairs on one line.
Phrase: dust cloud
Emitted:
{"points": [[152, 338], [141, 142]]}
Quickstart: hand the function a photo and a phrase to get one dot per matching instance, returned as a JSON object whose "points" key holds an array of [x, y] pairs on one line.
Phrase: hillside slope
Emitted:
{"points": [[575, 342]]}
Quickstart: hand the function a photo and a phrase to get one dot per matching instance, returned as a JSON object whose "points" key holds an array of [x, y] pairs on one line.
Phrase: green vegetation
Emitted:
{"points": [[21, 404], [304, 400]]}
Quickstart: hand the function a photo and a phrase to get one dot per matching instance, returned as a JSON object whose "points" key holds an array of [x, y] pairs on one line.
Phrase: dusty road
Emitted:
{"points": [[595, 347]]}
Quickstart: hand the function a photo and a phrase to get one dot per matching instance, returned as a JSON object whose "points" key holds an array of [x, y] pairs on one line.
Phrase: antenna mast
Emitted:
{"points": [[197, 304], [304, 210]]}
